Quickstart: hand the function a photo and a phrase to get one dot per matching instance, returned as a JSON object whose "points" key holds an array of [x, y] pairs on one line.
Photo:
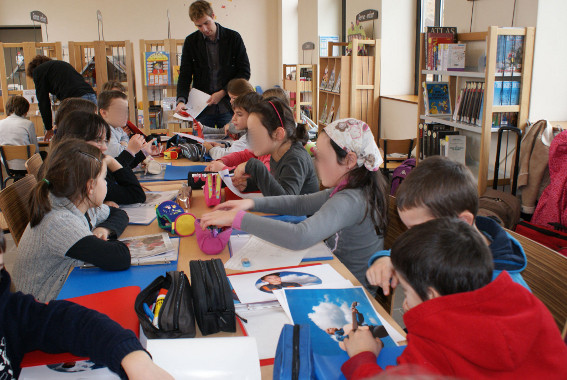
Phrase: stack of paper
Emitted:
{"points": [[145, 213], [152, 249]]}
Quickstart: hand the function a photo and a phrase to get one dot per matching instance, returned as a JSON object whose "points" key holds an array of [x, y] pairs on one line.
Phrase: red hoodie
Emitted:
{"points": [[499, 331], [236, 158]]}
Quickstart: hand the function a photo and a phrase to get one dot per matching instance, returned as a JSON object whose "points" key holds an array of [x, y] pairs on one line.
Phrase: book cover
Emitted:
{"points": [[437, 35], [331, 113], [506, 93], [456, 57], [515, 98], [456, 147], [323, 117], [458, 104], [424, 140], [438, 98], [479, 116], [501, 54], [157, 68], [331, 81], [464, 101], [325, 78], [337, 87], [497, 101]]}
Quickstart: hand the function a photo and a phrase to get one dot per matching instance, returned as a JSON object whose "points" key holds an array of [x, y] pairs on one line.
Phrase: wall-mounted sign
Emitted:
{"points": [[367, 15], [38, 16], [308, 46]]}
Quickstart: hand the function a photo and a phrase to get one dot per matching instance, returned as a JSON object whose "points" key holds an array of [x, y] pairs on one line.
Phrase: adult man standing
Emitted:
{"points": [[211, 57]]}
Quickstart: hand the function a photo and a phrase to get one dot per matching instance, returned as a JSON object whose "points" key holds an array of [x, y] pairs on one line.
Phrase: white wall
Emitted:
{"points": [[549, 81], [255, 20], [288, 32], [308, 20], [397, 119]]}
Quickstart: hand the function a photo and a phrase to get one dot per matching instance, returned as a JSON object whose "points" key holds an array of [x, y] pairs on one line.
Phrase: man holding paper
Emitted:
{"points": [[211, 57]]}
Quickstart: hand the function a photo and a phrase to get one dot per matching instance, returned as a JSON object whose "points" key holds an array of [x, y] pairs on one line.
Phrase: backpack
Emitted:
{"points": [[400, 173]]}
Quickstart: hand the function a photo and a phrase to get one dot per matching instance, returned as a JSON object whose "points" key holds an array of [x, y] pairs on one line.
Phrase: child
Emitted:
{"points": [[241, 106], [27, 325], [113, 107], [68, 222], [113, 85], [73, 104], [17, 130], [122, 185], [272, 130], [439, 187], [349, 216], [460, 324]]}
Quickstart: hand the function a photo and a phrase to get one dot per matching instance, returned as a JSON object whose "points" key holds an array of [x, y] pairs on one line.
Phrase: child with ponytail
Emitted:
{"points": [[69, 222], [350, 216], [272, 131]]}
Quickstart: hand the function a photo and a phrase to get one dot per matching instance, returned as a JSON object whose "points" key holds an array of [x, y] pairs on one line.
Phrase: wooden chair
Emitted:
{"points": [[33, 165], [389, 147], [14, 203], [394, 229], [546, 275], [15, 152]]}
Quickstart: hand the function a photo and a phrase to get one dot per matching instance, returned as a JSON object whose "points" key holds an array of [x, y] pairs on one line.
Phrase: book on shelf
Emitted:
{"points": [[451, 57], [325, 78], [437, 99], [454, 147], [509, 54], [331, 113], [469, 105], [323, 117], [506, 93], [331, 81], [504, 119], [434, 36], [337, 87], [430, 136]]}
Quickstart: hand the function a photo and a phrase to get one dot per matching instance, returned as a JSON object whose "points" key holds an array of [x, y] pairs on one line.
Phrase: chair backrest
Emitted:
{"points": [[15, 152], [14, 203], [397, 146], [395, 225], [546, 275], [33, 164]]}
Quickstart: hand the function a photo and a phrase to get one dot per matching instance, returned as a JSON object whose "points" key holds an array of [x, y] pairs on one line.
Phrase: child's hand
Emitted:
{"points": [[101, 233], [180, 107], [111, 164], [139, 366], [207, 145], [150, 149], [135, 144], [381, 273], [240, 172], [215, 166], [240, 183], [218, 218], [240, 205], [226, 128], [361, 340], [127, 130]]}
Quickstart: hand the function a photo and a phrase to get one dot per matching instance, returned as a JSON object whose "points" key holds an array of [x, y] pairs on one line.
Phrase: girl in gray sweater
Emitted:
{"points": [[69, 222], [350, 216]]}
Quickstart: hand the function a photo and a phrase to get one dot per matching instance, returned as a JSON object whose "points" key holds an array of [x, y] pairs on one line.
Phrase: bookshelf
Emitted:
{"points": [[119, 58], [481, 139], [155, 118], [301, 83], [13, 78], [359, 92]]}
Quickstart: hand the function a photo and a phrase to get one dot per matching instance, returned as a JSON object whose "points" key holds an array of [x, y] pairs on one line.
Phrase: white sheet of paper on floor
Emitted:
{"points": [[248, 286], [207, 358], [264, 255], [227, 179]]}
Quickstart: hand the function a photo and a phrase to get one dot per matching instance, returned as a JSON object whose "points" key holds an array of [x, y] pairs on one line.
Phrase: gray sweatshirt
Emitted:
{"points": [[338, 220]]}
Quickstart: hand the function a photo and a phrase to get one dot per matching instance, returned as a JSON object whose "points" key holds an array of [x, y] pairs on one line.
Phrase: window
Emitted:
{"points": [[429, 14]]}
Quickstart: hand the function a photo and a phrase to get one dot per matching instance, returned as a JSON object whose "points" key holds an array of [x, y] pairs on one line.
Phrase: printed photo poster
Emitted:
{"points": [[330, 314], [79, 370], [258, 286], [148, 245], [157, 68]]}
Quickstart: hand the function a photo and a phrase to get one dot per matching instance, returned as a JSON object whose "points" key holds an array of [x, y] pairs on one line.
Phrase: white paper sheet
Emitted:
{"points": [[197, 102], [227, 179], [248, 286], [238, 241], [148, 245], [145, 213], [207, 358], [80, 370], [196, 138], [264, 255], [162, 258]]}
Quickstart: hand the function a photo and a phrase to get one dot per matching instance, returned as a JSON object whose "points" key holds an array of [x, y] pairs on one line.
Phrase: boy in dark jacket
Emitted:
{"points": [[61, 326], [439, 187], [461, 323]]}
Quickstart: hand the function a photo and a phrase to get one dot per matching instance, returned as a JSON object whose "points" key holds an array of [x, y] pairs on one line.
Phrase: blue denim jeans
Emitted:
{"points": [[218, 120], [90, 97]]}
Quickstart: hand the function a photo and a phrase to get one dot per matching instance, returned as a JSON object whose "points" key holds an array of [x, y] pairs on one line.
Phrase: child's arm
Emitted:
{"points": [[106, 254], [381, 272], [239, 145], [122, 187], [363, 350], [236, 158], [116, 222], [62, 326], [290, 181]]}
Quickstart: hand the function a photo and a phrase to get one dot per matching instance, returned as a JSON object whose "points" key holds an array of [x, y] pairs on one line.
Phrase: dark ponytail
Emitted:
{"points": [[68, 168], [270, 111], [373, 185]]}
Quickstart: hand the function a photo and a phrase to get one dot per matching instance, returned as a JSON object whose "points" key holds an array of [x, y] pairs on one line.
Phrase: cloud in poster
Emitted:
{"points": [[328, 314], [304, 279]]}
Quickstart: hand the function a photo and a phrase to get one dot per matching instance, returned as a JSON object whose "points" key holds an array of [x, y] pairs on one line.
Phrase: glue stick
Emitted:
{"points": [[159, 304]]}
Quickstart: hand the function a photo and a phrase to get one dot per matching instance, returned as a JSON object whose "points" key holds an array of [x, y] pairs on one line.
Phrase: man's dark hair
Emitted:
{"points": [[446, 254], [270, 274], [105, 98], [443, 186], [35, 62]]}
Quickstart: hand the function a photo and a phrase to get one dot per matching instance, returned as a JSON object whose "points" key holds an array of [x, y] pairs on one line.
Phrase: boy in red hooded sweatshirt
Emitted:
{"points": [[459, 323]]}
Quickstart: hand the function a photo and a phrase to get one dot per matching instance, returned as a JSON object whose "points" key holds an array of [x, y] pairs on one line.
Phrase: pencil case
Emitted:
{"points": [[172, 218], [294, 359], [175, 317], [196, 180], [212, 189], [211, 241], [212, 297]]}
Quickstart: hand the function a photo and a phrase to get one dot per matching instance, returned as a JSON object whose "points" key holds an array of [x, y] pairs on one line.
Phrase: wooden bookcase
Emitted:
{"points": [[359, 92], [481, 141], [13, 78], [302, 88], [119, 58], [158, 120]]}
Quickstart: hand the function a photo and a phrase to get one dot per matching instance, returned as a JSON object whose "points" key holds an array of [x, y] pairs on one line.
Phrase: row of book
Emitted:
{"points": [[504, 119], [469, 104], [434, 36], [329, 82], [329, 115], [438, 139], [506, 93], [450, 57]]}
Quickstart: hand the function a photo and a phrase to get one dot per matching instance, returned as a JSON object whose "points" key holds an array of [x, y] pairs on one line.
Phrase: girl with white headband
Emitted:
{"points": [[350, 216]]}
